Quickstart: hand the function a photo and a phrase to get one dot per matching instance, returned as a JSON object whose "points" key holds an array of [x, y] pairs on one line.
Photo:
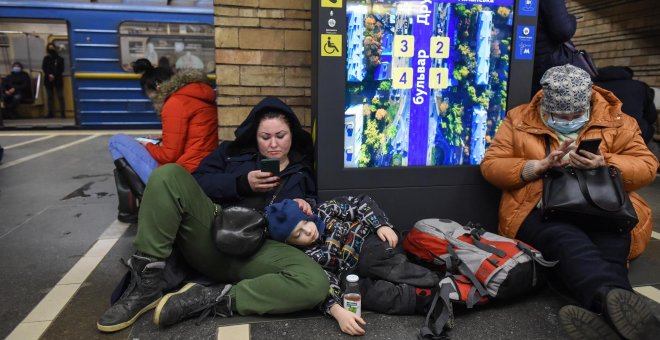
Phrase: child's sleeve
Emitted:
{"points": [[360, 208], [334, 294], [370, 214]]}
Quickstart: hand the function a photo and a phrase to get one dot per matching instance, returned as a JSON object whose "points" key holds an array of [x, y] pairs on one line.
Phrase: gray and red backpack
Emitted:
{"points": [[478, 266]]}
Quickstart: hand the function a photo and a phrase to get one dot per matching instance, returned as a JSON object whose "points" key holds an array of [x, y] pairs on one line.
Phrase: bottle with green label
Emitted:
{"points": [[352, 297]]}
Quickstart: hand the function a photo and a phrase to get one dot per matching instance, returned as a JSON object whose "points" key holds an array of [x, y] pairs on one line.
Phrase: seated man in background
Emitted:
{"points": [[15, 89]]}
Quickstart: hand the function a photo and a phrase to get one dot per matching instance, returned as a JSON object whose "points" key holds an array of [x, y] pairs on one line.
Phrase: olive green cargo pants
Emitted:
{"points": [[277, 279]]}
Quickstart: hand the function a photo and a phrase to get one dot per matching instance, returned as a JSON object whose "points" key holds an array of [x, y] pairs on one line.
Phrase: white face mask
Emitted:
{"points": [[16, 69]]}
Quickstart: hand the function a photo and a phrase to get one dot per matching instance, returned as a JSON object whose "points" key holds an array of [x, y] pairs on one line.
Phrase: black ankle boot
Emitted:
{"points": [[193, 300], [128, 203], [583, 324], [142, 294], [132, 178]]}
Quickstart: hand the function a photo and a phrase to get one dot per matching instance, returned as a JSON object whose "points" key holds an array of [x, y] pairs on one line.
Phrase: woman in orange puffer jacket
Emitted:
{"points": [[592, 266]]}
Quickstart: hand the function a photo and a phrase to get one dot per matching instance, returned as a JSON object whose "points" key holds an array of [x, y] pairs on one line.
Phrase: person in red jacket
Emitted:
{"points": [[186, 103]]}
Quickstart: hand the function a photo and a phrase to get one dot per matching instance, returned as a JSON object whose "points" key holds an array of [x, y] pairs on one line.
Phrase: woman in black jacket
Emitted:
{"points": [[177, 210]]}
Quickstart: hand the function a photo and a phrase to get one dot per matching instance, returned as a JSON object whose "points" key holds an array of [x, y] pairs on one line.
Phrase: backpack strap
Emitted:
{"points": [[536, 256], [475, 234], [436, 329], [465, 270]]}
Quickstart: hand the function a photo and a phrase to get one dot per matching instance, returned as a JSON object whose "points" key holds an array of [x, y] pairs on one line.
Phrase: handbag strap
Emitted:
{"points": [[547, 145], [277, 192], [570, 46], [582, 181]]}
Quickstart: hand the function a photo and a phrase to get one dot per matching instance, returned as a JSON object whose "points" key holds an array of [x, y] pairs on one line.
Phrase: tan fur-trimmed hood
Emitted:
{"points": [[180, 79]]}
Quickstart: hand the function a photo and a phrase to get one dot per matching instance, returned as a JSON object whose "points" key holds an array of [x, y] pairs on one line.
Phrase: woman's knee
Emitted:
{"points": [[167, 172], [316, 283]]}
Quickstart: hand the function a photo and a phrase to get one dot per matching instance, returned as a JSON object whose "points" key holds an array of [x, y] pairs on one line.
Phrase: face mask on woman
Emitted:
{"points": [[16, 69], [567, 126]]}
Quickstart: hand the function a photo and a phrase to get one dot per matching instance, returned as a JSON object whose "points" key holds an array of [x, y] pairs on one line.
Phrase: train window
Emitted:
{"points": [[180, 45]]}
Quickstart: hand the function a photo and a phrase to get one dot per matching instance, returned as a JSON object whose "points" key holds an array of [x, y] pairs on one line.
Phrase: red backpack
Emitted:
{"points": [[479, 265]]}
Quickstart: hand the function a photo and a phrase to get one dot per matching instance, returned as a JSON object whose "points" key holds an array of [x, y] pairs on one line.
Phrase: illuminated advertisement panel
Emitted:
{"points": [[426, 80]]}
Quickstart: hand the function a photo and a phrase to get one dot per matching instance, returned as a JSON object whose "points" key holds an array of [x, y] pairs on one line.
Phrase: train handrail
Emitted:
{"points": [[115, 76]]}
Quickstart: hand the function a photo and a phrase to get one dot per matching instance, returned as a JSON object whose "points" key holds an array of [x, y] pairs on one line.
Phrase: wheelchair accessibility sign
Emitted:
{"points": [[331, 3], [331, 45]]}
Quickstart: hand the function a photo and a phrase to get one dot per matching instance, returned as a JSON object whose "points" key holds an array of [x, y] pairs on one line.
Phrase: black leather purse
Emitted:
{"points": [[591, 197], [239, 231]]}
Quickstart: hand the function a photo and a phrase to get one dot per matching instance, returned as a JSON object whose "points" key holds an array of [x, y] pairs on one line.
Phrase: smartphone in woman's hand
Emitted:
{"points": [[590, 145], [270, 165]]}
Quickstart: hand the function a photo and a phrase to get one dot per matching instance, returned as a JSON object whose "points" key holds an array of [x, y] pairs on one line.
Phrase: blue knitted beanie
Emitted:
{"points": [[284, 216]]}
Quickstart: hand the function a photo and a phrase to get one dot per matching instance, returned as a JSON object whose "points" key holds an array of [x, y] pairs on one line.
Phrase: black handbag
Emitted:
{"points": [[593, 197], [239, 231], [582, 59]]}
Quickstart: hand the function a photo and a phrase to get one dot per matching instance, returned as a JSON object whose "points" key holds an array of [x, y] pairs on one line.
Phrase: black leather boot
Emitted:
{"points": [[128, 203], [193, 300], [142, 294], [132, 178]]}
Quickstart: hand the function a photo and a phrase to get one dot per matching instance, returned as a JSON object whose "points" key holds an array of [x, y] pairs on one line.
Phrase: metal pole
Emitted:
{"points": [[27, 42]]}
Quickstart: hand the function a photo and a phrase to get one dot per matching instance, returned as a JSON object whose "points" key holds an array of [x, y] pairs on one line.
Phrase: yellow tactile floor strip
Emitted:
{"points": [[650, 292], [235, 332], [36, 323]]}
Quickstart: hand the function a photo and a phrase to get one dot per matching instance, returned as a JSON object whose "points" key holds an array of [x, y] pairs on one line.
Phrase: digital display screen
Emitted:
{"points": [[426, 80]]}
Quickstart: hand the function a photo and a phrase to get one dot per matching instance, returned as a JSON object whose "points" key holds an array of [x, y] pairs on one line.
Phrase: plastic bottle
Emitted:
{"points": [[352, 297]]}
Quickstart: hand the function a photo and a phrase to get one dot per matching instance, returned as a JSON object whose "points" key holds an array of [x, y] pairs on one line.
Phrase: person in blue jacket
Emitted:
{"points": [[179, 209], [555, 27]]}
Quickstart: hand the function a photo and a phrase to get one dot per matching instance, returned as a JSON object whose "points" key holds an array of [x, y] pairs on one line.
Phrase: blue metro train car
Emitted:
{"points": [[98, 42]]}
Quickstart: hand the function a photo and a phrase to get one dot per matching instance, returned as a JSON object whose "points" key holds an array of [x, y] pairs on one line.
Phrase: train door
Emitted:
{"points": [[24, 41]]}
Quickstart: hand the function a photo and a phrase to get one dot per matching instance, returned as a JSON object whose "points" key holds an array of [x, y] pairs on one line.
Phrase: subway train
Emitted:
{"points": [[98, 42]]}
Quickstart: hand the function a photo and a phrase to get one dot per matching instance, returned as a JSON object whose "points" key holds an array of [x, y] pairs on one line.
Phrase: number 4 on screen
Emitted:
{"points": [[402, 78]]}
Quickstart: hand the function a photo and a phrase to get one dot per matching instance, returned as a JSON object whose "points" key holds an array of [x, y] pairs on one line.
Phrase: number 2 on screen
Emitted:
{"points": [[439, 47]]}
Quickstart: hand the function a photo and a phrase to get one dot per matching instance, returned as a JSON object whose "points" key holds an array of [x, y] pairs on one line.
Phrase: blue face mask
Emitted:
{"points": [[16, 69], [565, 126]]}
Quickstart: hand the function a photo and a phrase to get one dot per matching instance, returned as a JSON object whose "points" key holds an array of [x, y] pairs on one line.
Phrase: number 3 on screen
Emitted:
{"points": [[439, 47], [404, 46]]}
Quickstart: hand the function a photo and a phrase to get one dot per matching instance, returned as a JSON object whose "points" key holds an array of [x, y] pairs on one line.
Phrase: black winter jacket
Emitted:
{"points": [[53, 65], [636, 96], [20, 82]]}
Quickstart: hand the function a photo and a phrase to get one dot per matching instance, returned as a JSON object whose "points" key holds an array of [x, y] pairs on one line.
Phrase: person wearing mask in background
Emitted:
{"points": [[186, 103], [555, 27], [15, 89], [593, 261], [53, 67]]}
